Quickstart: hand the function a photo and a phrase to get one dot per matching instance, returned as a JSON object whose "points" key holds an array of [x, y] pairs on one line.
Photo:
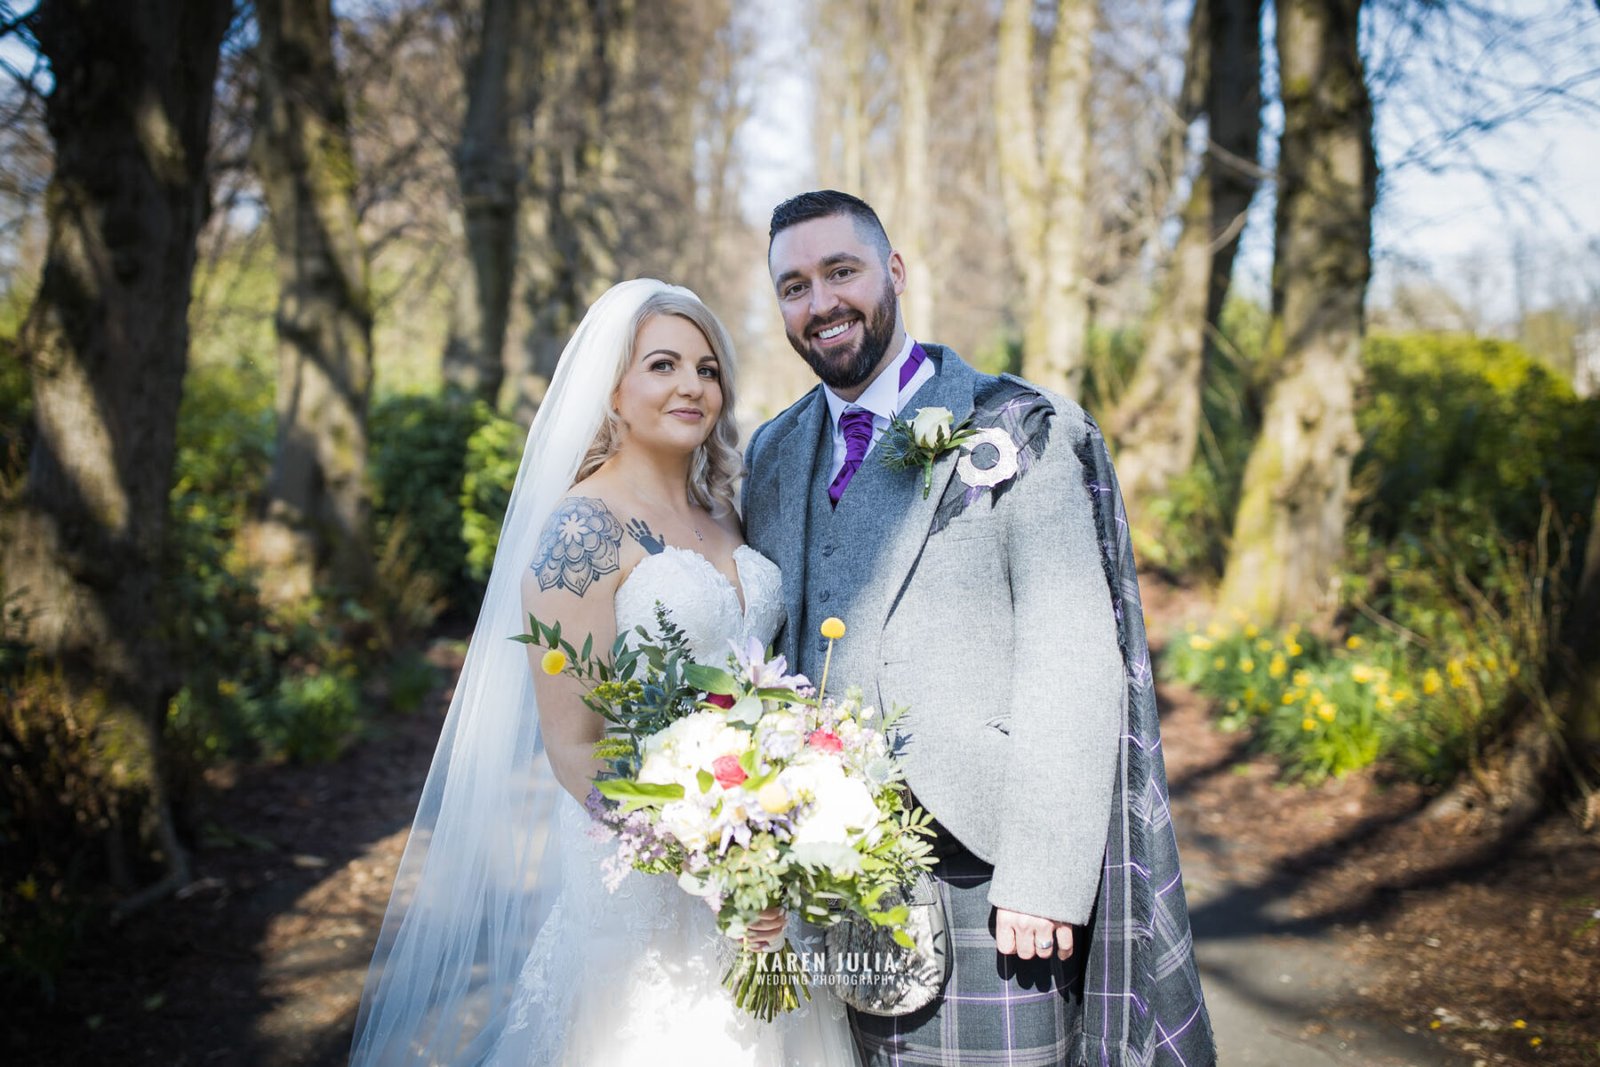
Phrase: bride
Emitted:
{"points": [[505, 942]]}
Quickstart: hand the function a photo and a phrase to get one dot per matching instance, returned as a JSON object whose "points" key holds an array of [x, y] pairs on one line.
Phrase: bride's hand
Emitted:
{"points": [[765, 932]]}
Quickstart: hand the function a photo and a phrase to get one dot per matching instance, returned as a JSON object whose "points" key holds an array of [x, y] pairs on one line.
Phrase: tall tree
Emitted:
{"points": [[1289, 531], [106, 344], [572, 211], [922, 25], [1157, 422], [1043, 157], [316, 510], [501, 76]]}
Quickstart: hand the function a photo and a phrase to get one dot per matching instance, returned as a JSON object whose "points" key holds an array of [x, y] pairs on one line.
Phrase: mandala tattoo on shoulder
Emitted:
{"points": [[641, 532], [580, 542]]}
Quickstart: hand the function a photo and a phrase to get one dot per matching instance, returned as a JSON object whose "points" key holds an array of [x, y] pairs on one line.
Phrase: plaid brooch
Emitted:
{"points": [[1011, 426]]}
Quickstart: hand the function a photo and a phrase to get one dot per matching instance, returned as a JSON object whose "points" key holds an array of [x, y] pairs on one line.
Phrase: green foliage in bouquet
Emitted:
{"points": [[645, 688]]}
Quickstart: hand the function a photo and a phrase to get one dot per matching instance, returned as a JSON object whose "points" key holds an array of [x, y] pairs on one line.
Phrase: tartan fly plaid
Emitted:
{"points": [[1142, 999]]}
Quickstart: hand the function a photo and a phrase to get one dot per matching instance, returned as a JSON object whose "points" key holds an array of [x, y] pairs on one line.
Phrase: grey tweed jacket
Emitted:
{"points": [[997, 632]]}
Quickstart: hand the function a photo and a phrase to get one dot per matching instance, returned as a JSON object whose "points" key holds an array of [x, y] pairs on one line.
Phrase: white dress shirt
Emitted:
{"points": [[883, 398]]}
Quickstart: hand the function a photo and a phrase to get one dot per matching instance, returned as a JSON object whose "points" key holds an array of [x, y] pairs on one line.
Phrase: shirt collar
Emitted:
{"points": [[882, 397]]}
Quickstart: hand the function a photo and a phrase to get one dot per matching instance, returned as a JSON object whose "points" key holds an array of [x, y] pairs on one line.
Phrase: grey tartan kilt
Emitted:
{"points": [[995, 1009]]}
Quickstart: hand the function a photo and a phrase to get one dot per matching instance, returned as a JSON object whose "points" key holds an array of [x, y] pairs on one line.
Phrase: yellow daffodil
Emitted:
{"points": [[1308, 724], [1219, 663], [1277, 667], [1301, 678], [1361, 673], [1247, 665], [1214, 630], [1431, 682], [1263, 645], [1520, 1024], [1289, 697], [1353, 642], [1199, 643], [832, 628], [553, 661], [1327, 712], [1513, 669], [1252, 630], [1535, 1042], [1316, 698]]}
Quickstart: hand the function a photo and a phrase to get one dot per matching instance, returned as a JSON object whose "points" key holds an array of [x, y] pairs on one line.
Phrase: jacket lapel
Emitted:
{"points": [[907, 514], [797, 456]]}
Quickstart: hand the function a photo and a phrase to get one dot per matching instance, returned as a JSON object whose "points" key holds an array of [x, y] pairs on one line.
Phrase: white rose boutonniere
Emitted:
{"points": [[929, 434]]}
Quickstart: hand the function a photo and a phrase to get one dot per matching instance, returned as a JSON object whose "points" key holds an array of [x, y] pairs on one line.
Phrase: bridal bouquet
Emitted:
{"points": [[751, 787]]}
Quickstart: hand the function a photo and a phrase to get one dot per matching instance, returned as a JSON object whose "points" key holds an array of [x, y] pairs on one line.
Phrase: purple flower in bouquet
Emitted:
{"points": [[762, 673]]}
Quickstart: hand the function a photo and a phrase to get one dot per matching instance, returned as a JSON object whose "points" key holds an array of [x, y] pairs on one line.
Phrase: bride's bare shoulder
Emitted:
{"points": [[581, 546]]}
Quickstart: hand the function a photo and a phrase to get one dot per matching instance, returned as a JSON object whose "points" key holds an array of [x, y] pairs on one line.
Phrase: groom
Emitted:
{"points": [[1000, 605]]}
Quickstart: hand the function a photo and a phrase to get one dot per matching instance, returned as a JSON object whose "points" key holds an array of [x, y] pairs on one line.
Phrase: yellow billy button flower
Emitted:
{"points": [[774, 798], [832, 629], [553, 661]]}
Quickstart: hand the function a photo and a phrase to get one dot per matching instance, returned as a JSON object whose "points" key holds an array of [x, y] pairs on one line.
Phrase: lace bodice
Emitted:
{"points": [[700, 599]]}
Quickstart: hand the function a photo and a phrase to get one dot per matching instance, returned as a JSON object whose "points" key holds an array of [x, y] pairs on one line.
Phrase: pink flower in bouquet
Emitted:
{"points": [[727, 771], [825, 740], [721, 700]]}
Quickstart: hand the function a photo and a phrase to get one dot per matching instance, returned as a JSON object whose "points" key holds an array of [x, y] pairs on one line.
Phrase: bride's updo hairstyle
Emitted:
{"points": [[716, 464]]}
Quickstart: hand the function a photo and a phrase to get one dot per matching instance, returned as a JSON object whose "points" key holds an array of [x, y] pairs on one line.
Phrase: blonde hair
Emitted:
{"points": [[716, 463]]}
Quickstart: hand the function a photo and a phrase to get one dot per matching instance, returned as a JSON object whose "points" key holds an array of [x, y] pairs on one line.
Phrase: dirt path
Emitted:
{"points": [[1333, 926]]}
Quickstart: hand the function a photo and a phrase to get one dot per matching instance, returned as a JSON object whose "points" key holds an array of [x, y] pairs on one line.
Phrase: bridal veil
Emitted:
{"points": [[481, 870]]}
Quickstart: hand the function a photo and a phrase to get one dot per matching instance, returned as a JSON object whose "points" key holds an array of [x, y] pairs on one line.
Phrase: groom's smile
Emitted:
{"points": [[839, 296]]}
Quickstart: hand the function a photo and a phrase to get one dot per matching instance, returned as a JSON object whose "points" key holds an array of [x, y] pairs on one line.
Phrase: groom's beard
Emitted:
{"points": [[847, 369]]}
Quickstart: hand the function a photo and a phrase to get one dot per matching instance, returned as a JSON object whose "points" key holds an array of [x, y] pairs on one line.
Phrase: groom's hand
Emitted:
{"points": [[1022, 936]]}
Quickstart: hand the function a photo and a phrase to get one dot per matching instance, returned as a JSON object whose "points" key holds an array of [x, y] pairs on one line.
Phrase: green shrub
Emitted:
{"points": [[312, 716], [493, 453], [1471, 427], [418, 458]]}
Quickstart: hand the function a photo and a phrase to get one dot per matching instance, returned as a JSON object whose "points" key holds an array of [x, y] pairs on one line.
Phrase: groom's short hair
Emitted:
{"points": [[825, 203]]}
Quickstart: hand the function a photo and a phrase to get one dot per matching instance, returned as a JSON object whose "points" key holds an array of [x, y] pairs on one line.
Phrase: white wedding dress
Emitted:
{"points": [[634, 976]]}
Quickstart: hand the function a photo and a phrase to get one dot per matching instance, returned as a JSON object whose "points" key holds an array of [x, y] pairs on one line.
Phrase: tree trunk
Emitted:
{"points": [[106, 344], [1044, 183], [1289, 531], [922, 25], [499, 77], [316, 509], [573, 219], [1158, 422]]}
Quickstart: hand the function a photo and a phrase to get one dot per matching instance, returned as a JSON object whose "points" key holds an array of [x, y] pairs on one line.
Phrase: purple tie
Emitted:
{"points": [[856, 425]]}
